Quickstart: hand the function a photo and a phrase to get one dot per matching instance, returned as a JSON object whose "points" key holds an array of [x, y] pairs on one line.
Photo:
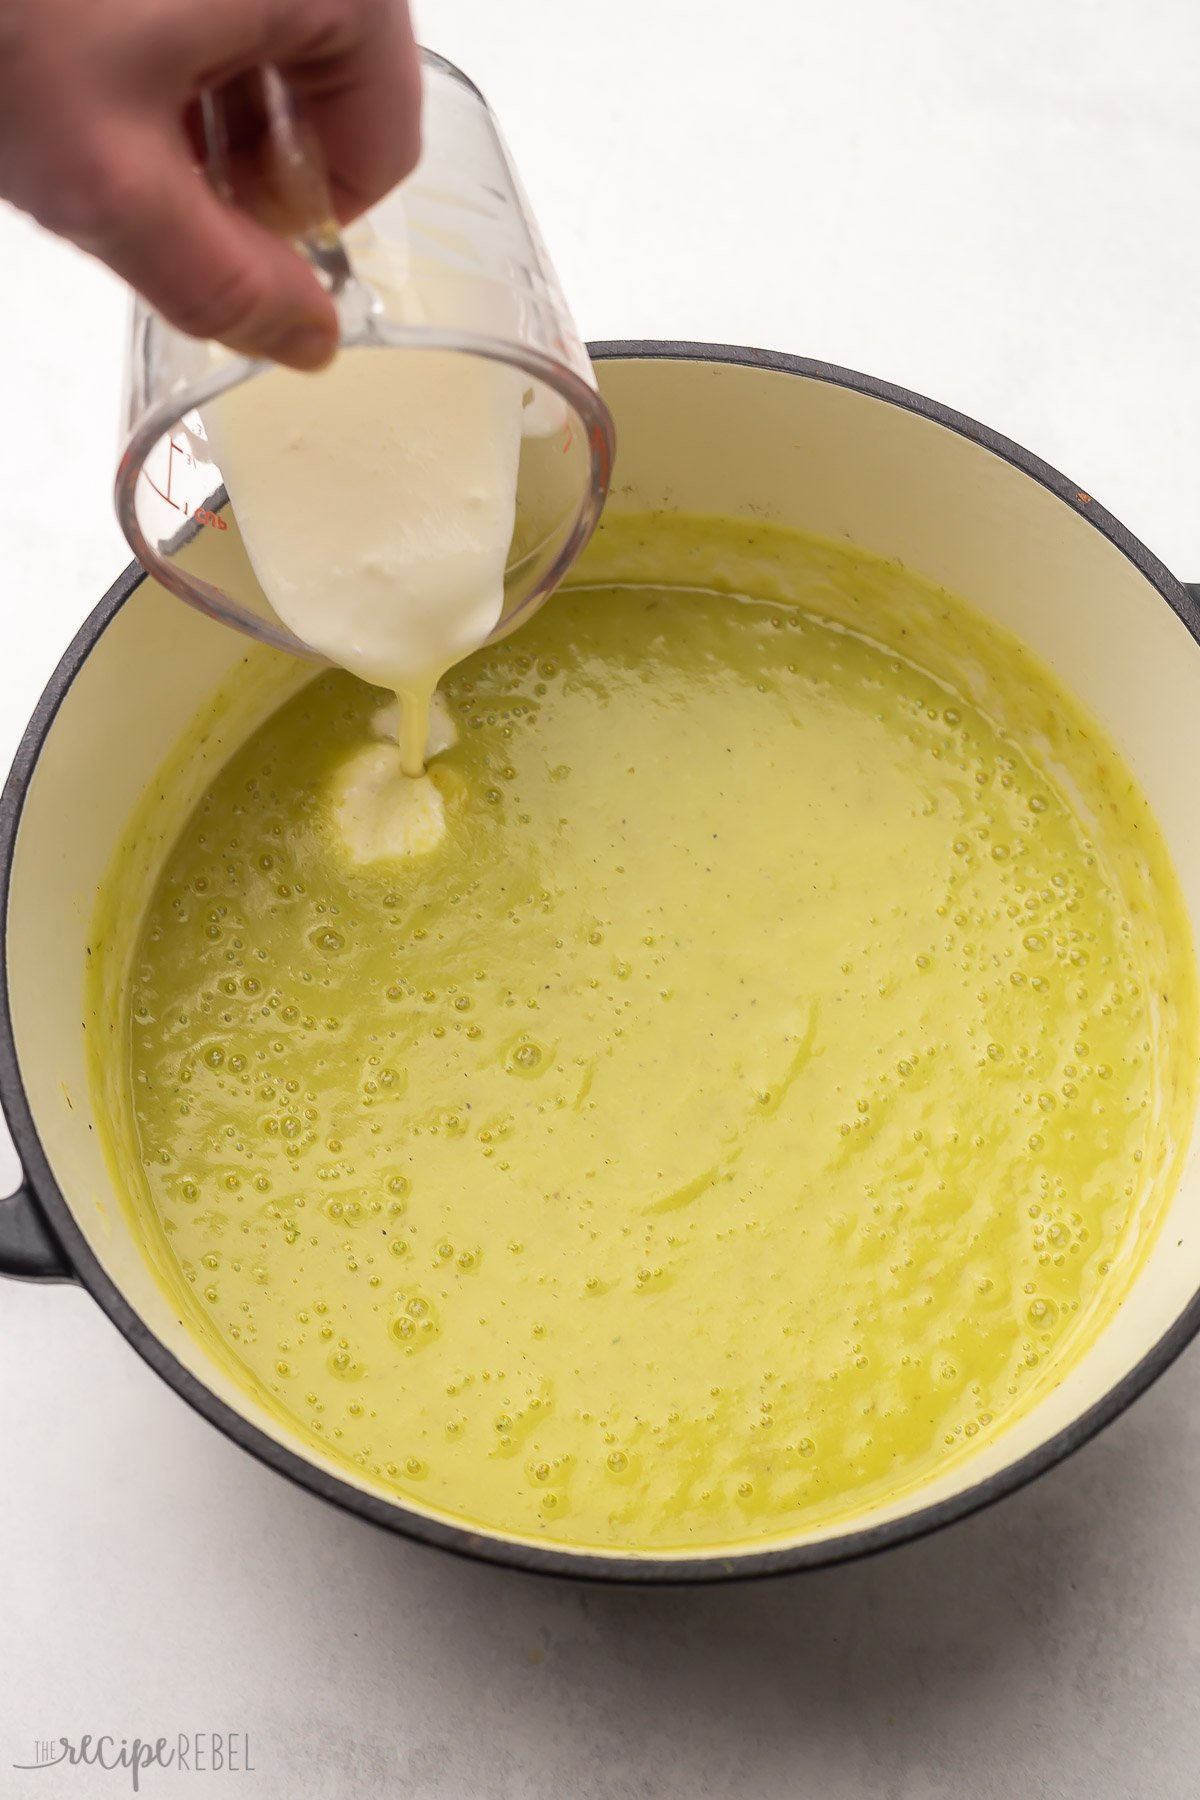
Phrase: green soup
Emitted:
{"points": [[763, 1093]]}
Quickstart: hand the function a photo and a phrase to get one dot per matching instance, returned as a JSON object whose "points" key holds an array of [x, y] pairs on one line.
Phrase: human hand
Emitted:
{"points": [[98, 115]]}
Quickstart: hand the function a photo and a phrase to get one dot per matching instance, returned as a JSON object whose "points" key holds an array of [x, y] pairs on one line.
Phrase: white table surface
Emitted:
{"points": [[994, 205]]}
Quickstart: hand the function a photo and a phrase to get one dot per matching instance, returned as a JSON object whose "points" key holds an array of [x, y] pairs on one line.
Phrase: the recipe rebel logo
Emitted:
{"points": [[195, 1753]]}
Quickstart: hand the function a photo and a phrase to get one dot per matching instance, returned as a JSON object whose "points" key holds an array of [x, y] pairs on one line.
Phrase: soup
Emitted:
{"points": [[764, 1087]]}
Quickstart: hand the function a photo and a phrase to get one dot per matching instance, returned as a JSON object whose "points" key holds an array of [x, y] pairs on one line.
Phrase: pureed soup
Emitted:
{"points": [[758, 1097]]}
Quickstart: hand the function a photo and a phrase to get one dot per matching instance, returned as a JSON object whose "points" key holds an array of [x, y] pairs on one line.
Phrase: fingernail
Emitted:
{"points": [[304, 347]]}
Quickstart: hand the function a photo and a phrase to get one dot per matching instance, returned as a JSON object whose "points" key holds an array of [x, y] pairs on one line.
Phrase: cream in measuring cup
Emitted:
{"points": [[417, 498], [377, 502]]}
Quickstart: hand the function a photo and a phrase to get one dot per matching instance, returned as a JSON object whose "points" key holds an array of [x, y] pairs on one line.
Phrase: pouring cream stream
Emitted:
{"points": [[376, 501]]}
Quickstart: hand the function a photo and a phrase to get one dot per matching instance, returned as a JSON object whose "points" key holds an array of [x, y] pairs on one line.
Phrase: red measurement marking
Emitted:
{"points": [[568, 437], [146, 473], [174, 450], [210, 518]]}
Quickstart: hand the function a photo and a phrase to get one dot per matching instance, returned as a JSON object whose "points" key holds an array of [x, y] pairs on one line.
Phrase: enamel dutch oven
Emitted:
{"points": [[702, 428]]}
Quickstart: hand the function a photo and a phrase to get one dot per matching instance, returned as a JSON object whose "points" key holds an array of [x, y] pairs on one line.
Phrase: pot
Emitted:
{"points": [[703, 428]]}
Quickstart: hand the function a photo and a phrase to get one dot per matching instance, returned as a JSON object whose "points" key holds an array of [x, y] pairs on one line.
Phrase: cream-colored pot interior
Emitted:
{"points": [[703, 436]]}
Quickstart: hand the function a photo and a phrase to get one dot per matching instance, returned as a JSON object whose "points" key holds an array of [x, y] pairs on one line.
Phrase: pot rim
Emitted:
{"points": [[864, 1539]]}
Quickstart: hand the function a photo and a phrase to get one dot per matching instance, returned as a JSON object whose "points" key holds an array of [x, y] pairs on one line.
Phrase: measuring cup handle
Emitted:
{"points": [[289, 191], [29, 1250]]}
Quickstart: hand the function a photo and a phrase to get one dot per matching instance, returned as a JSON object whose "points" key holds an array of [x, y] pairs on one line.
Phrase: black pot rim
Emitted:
{"points": [[580, 1565]]}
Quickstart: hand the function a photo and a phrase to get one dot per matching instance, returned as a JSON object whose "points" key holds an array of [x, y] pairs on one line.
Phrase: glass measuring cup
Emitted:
{"points": [[450, 261]]}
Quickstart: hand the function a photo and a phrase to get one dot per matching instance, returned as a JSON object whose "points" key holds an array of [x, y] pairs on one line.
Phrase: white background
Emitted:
{"points": [[996, 205]]}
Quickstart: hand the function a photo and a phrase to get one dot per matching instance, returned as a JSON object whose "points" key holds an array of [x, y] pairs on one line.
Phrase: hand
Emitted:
{"points": [[97, 109]]}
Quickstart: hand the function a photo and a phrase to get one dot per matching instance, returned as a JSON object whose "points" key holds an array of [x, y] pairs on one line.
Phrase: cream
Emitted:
{"points": [[376, 502]]}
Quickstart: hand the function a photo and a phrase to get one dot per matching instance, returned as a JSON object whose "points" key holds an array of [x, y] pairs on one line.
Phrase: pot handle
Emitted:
{"points": [[29, 1250]]}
